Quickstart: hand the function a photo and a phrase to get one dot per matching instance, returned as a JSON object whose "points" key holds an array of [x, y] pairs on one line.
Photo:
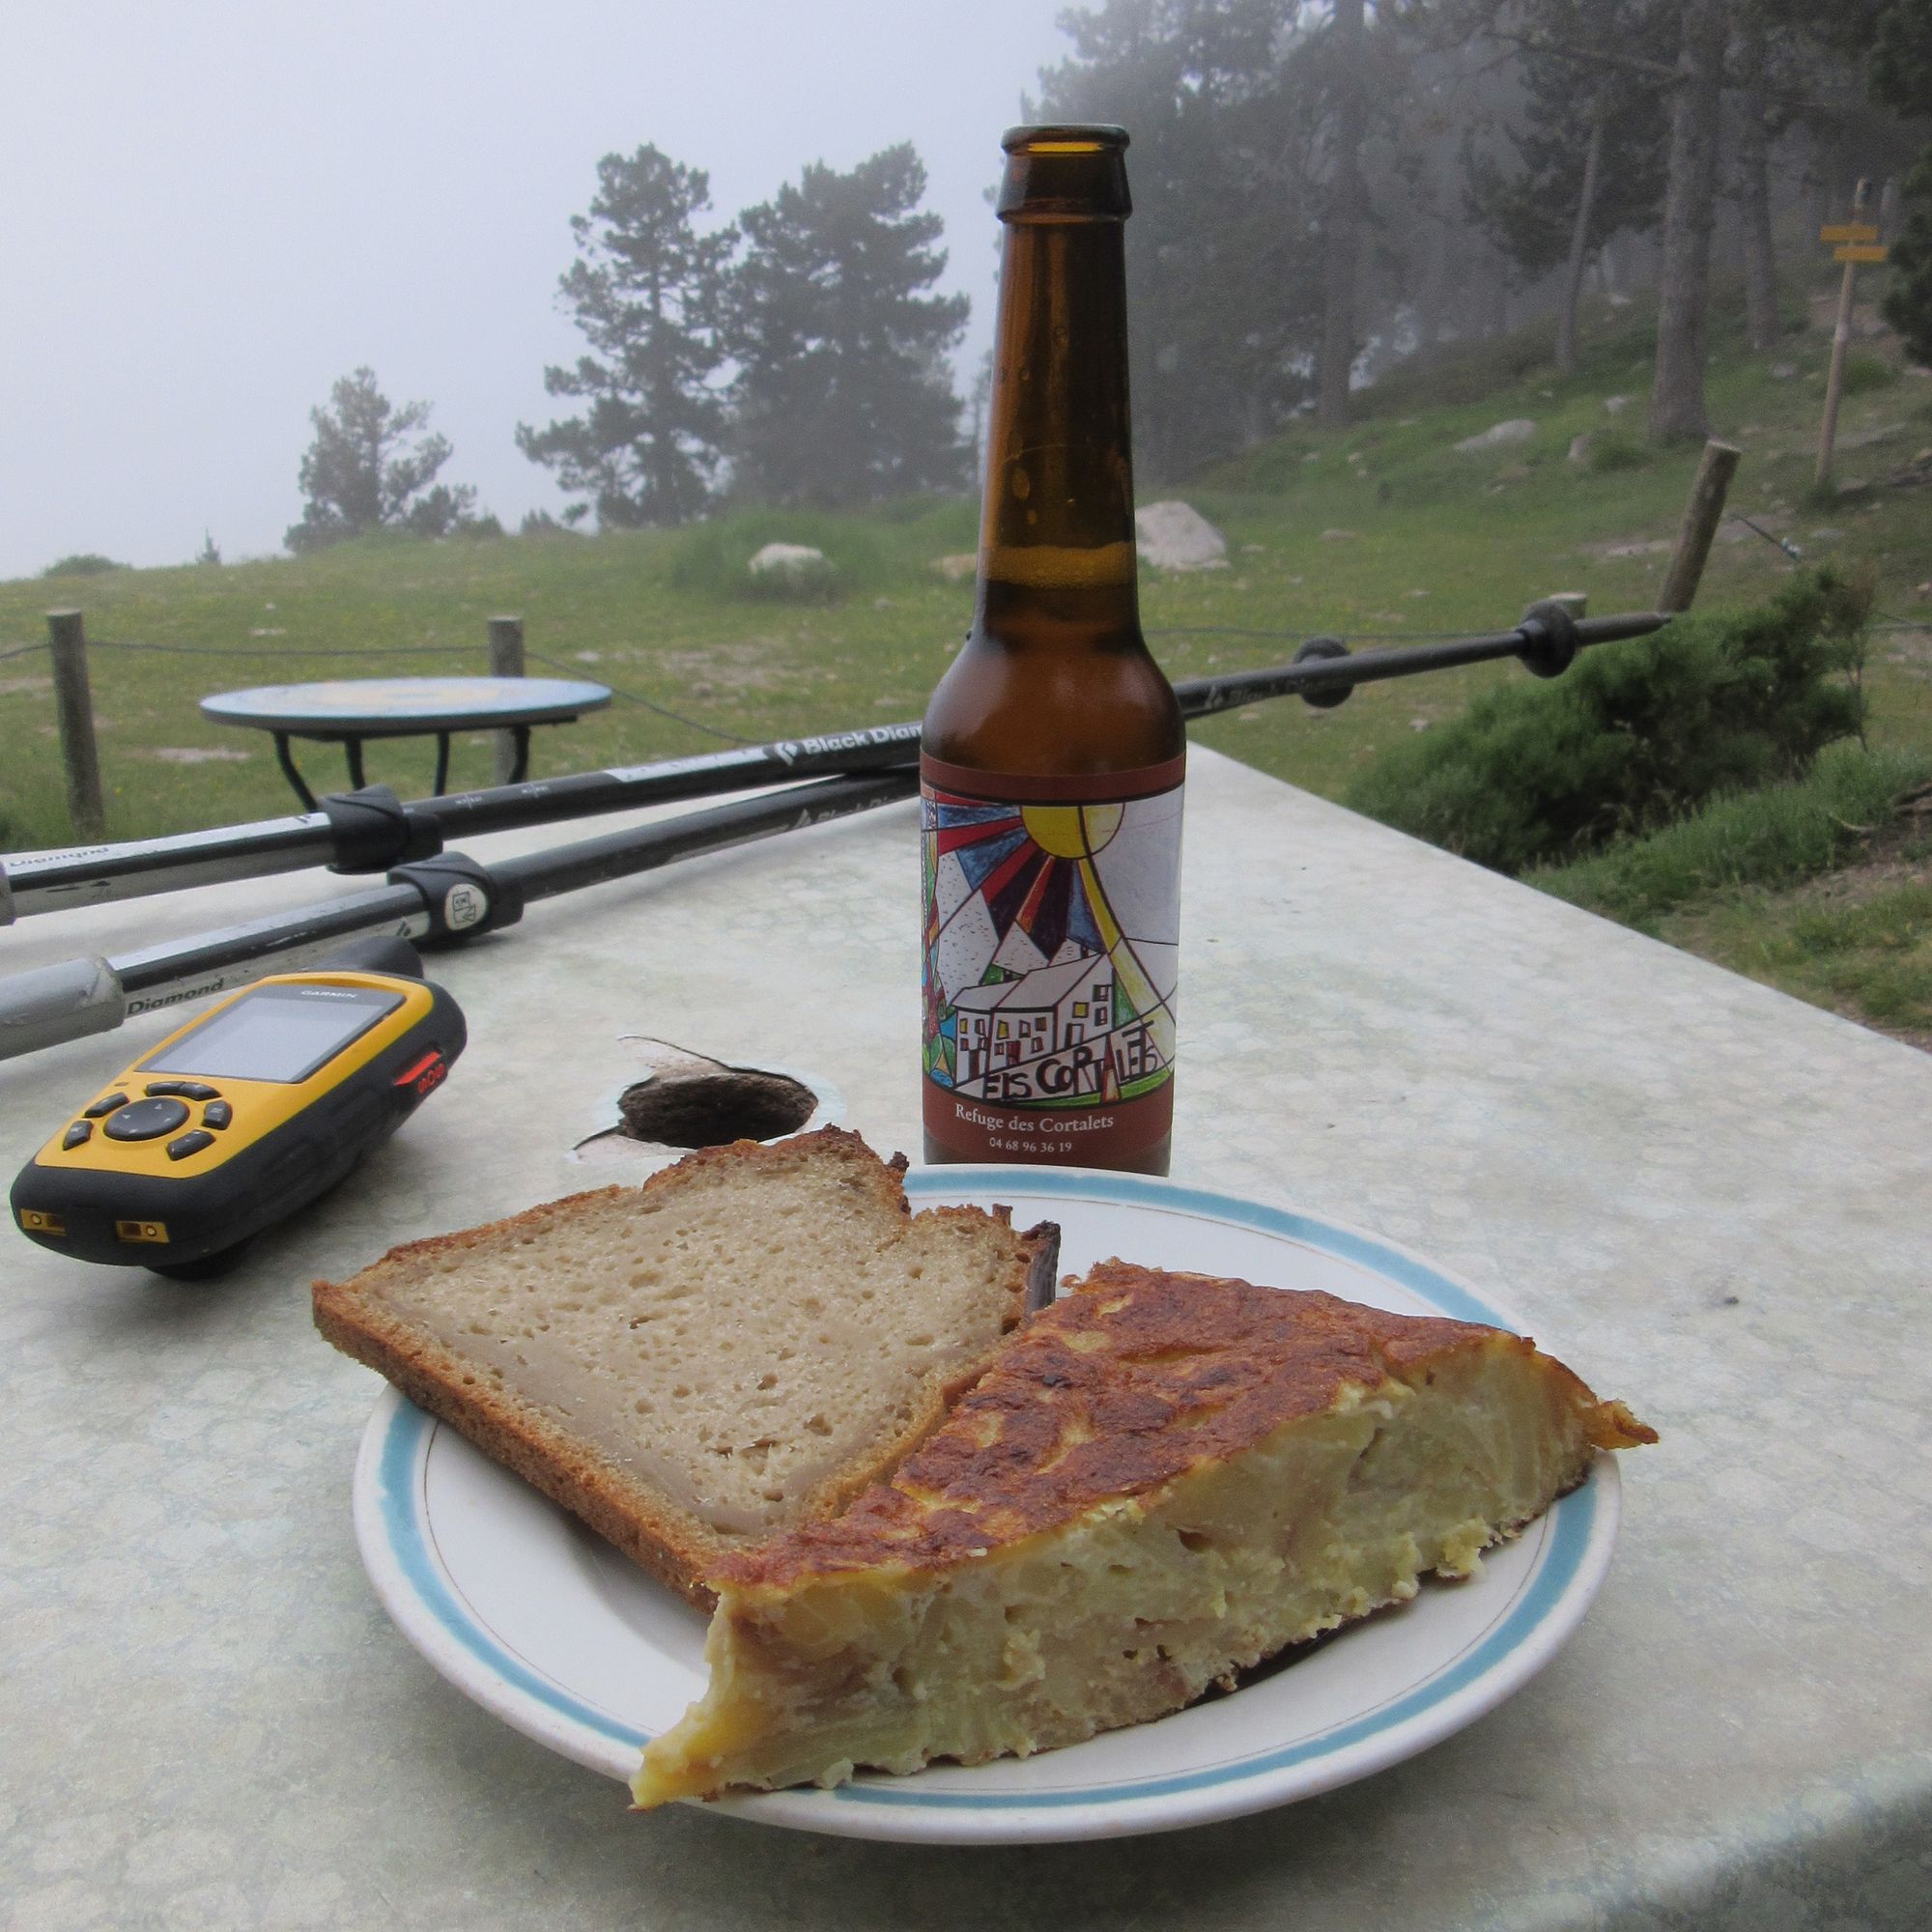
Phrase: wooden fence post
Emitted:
{"points": [[1702, 515], [73, 701], [506, 660]]}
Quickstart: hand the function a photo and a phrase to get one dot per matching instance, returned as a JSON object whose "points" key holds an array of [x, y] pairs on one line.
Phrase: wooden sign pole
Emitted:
{"points": [[1841, 334]]}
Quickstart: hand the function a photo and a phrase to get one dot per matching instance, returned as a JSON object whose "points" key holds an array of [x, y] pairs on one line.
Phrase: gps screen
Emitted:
{"points": [[275, 1032]]}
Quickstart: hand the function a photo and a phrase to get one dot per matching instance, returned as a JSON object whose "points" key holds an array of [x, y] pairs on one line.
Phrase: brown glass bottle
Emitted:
{"points": [[1053, 748]]}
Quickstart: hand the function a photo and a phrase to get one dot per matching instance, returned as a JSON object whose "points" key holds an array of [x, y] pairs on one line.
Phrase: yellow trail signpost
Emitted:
{"points": [[1858, 242]]}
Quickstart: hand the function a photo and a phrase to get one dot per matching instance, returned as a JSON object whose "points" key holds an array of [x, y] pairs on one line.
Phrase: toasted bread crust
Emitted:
{"points": [[656, 1533]]}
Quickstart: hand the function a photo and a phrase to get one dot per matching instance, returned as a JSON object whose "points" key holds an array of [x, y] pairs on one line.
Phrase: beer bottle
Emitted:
{"points": [[1053, 750]]}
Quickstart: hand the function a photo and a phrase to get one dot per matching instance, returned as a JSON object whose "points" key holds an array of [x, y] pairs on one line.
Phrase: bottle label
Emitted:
{"points": [[1050, 949]]}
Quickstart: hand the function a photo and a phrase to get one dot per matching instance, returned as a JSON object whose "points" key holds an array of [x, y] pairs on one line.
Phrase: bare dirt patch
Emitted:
{"points": [[1910, 650], [753, 666], [1625, 546], [1897, 853]]}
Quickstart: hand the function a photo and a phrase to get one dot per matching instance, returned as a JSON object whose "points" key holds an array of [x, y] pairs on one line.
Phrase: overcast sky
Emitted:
{"points": [[210, 211]]}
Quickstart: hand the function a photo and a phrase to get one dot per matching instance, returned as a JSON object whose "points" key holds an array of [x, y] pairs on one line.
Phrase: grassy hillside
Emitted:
{"points": [[1384, 528]]}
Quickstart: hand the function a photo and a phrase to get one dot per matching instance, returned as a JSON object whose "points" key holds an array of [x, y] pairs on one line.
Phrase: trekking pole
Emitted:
{"points": [[370, 831], [1324, 671], [452, 897], [446, 896]]}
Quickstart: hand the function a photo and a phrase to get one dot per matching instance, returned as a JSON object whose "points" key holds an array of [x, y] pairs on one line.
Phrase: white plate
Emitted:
{"points": [[543, 1623]]}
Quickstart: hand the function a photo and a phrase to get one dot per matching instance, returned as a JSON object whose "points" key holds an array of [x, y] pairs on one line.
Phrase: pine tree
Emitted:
{"points": [[1677, 410], [1757, 132], [370, 467], [842, 394], [1902, 79], [1345, 212], [1224, 256], [645, 292], [1589, 155]]}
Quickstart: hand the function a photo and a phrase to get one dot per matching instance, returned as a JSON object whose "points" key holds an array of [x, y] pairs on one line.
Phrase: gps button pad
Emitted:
{"points": [[145, 1120]]}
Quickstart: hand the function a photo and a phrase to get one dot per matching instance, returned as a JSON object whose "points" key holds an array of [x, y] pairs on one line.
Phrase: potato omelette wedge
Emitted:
{"points": [[1163, 1479]]}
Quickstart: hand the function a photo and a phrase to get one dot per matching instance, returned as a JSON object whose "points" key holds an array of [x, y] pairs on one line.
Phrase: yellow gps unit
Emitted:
{"points": [[243, 1116]]}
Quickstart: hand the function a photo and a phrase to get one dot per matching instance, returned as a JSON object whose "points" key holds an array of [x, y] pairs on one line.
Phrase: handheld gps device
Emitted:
{"points": [[245, 1114]]}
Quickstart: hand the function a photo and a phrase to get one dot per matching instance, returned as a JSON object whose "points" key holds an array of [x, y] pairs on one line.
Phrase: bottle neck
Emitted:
{"points": [[1057, 524]]}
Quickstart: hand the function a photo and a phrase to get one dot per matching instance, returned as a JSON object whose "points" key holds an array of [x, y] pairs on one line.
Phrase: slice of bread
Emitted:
{"points": [[739, 1348]]}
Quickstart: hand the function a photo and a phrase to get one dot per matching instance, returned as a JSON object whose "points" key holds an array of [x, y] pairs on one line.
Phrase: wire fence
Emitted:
{"points": [[648, 703], [1883, 621], [385, 651], [665, 711]]}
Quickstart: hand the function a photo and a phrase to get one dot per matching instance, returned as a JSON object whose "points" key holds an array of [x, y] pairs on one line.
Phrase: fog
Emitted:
{"points": [[208, 214]]}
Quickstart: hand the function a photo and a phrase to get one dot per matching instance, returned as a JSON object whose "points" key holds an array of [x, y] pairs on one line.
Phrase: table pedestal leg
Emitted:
{"points": [[442, 764], [520, 769], [353, 747], [289, 771]]}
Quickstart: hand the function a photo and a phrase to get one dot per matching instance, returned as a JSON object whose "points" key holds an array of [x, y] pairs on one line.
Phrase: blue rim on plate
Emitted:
{"points": [[1574, 1542]]}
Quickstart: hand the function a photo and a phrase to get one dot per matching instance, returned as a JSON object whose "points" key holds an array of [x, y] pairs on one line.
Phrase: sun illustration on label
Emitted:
{"points": [[1070, 831]]}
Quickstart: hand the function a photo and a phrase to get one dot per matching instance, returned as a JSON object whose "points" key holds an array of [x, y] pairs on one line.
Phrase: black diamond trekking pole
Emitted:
{"points": [[446, 898], [371, 831]]}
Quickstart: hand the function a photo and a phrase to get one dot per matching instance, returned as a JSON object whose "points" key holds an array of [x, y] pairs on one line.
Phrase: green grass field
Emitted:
{"points": [[1382, 530]]}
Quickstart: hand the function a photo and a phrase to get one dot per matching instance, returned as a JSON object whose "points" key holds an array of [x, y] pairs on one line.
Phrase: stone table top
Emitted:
{"points": [[1712, 1199], [375, 707]]}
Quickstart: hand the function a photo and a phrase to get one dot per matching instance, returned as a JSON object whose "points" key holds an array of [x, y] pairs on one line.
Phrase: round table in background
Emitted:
{"points": [[348, 710]]}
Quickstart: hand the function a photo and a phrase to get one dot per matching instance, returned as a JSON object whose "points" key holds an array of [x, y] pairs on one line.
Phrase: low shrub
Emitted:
{"points": [[83, 564], [1635, 734], [1617, 449], [1865, 371], [1774, 836]]}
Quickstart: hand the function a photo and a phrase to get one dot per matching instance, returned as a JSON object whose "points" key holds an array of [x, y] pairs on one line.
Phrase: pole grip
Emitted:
{"points": [[68, 1001]]}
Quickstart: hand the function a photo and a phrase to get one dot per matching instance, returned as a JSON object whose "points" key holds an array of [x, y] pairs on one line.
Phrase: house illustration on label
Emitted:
{"points": [[1049, 940], [1009, 1022]]}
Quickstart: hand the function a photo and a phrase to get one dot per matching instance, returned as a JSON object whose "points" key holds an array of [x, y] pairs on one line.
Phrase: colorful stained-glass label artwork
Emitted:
{"points": [[1051, 948]]}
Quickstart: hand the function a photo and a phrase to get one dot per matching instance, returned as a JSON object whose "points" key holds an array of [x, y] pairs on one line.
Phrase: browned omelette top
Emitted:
{"points": [[1135, 1377]]}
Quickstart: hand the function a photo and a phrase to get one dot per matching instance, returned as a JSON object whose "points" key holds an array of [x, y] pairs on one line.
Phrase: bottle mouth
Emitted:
{"points": [[1066, 137], [1065, 171]]}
